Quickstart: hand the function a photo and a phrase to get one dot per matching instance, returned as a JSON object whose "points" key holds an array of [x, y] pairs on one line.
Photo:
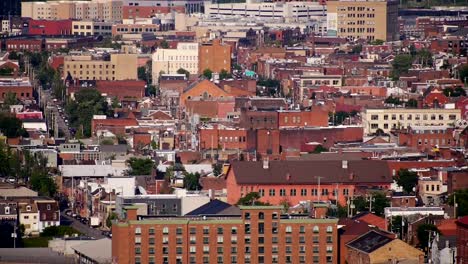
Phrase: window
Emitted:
{"points": [[374, 117], [179, 231], [220, 230], [165, 230], [138, 230], [315, 239], [206, 230], [261, 192], [288, 240], [316, 249], [329, 249], [261, 228], [193, 239], [288, 229], [206, 240], [303, 192], [219, 250], [302, 229], [329, 229], [316, 229], [151, 231], [234, 230], [206, 249], [329, 239], [193, 230], [137, 250], [292, 192], [137, 240], [165, 239], [272, 192], [247, 215], [261, 215], [282, 192], [151, 250], [193, 249], [220, 239]]}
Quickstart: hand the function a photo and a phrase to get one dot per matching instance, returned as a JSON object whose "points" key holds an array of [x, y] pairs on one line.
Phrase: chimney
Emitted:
{"points": [[266, 164], [344, 164]]}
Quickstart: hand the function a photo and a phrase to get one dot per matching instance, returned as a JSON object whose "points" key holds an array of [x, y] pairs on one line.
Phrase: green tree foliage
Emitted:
{"points": [[412, 103], [380, 201], [164, 44], [458, 91], [184, 71], [424, 57], [10, 126], [151, 90], [236, 67], [393, 100], [58, 231], [217, 169], [223, 75], [357, 49], [88, 102], [13, 55], [139, 166], [463, 73], [423, 234], [192, 181], [142, 75], [461, 197], [319, 149], [340, 117], [112, 216], [250, 199], [401, 64], [268, 83], [377, 42], [407, 180], [207, 73], [6, 71], [39, 179], [10, 99], [58, 86]]}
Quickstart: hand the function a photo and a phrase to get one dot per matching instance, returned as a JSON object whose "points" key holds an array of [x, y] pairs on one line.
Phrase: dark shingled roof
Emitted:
{"points": [[304, 172], [215, 207], [369, 242]]}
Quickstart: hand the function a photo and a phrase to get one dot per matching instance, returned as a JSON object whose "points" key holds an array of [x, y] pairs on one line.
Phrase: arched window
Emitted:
{"points": [[329, 229], [166, 230], [288, 229], [316, 229]]}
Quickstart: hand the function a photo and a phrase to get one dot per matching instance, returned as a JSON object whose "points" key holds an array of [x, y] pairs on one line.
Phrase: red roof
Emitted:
{"points": [[448, 227], [372, 219]]}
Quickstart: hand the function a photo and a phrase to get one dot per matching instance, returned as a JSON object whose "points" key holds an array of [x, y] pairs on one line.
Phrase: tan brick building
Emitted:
{"points": [[214, 56], [260, 234], [371, 20], [90, 67]]}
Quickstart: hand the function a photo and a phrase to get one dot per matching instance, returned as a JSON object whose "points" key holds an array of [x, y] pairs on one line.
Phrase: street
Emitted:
{"points": [[84, 229]]}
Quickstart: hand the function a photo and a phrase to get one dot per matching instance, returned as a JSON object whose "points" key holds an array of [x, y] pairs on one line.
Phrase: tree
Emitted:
{"points": [[407, 180], [184, 71], [461, 197], [39, 179], [463, 73], [319, 149], [164, 44], [10, 126], [58, 231], [458, 91], [13, 55], [250, 199], [112, 216], [207, 73], [10, 99], [224, 75], [423, 234], [58, 87], [377, 42], [424, 57], [6, 71], [217, 169], [401, 64], [236, 67], [357, 49], [192, 181], [141, 166], [151, 90], [142, 75], [393, 100], [412, 103], [379, 132], [88, 102]]}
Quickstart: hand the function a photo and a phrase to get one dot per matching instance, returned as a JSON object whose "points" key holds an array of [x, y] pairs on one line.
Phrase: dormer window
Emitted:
{"points": [[7, 210], [48, 207], [28, 208]]}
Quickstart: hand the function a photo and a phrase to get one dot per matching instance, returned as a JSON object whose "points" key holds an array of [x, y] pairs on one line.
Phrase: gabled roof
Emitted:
{"points": [[305, 172], [215, 207], [371, 219], [369, 242]]}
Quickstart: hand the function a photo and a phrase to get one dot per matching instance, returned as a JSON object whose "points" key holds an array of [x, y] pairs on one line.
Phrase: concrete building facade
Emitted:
{"points": [[370, 20], [91, 28], [170, 60], [90, 67], [401, 118]]}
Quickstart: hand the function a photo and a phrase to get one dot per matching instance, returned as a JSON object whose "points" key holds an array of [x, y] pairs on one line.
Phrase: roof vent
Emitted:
{"points": [[344, 164]]}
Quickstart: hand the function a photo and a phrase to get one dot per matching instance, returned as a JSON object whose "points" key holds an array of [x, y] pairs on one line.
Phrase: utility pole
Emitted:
{"points": [[454, 205], [370, 199]]}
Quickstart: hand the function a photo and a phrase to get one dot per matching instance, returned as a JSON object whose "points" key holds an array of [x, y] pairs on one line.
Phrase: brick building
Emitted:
{"points": [[50, 27], [215, 137], [24, 44], [462, 240], [21, 87], [426, 138], [434, 98], [259, 235], [214, 56], [296, 181], [120, 89], [457, 180]]}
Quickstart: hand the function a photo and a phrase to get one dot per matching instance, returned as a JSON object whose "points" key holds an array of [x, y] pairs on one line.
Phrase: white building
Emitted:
{"points": [[170, 60], [282, 11], [401, 118], [91, 28]]}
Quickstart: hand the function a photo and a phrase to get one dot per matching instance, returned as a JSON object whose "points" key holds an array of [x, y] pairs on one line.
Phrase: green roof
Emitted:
{"points": [[260, 207]]}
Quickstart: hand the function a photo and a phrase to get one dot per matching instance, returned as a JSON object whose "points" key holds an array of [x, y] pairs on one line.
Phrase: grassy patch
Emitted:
{"points": [[36, 242]]}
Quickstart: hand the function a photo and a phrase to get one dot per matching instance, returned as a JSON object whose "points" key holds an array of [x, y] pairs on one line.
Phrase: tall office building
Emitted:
{"points": [[371, 20], [258, 234]]}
